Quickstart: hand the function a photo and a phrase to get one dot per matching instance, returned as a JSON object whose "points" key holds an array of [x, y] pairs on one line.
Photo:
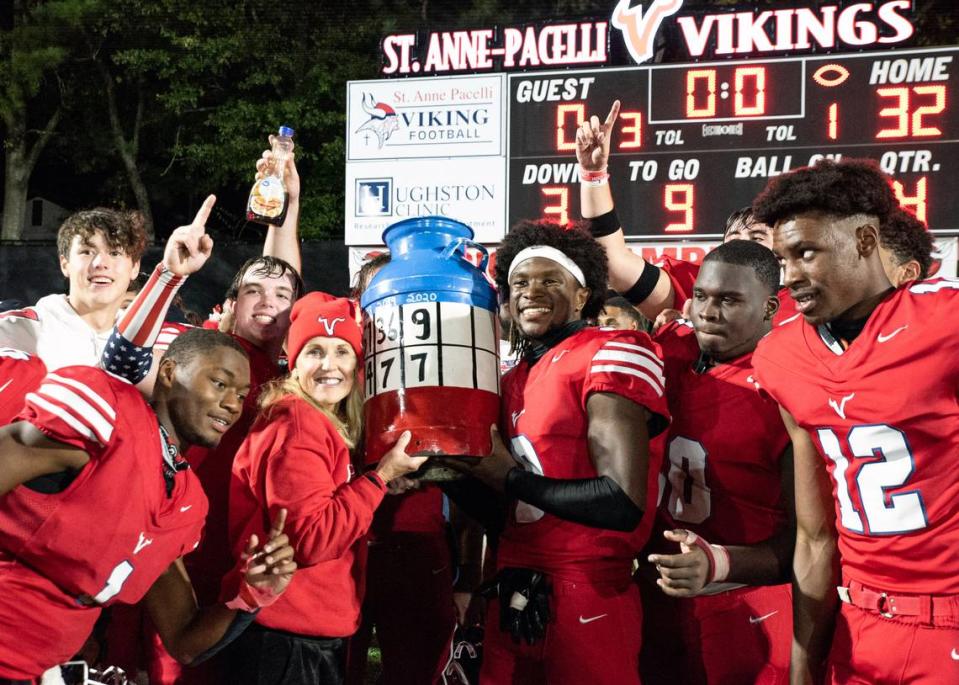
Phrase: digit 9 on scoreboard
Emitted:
{"points": [[725, 92]]}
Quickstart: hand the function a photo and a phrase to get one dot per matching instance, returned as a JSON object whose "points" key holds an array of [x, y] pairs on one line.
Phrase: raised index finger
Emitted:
{"points": [[613, 113], [205, 209], [278, 524]]}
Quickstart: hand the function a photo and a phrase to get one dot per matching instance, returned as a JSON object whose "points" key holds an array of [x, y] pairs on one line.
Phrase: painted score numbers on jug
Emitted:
{"points": [[429, 343]]}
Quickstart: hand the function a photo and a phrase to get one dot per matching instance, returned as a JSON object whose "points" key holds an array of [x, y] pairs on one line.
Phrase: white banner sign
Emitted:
{"points": [[382, 193], [417, 118]]}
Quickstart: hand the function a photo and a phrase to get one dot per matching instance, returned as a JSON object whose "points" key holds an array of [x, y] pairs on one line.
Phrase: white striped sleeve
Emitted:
{"points": [[625, 359], [70, 410]]}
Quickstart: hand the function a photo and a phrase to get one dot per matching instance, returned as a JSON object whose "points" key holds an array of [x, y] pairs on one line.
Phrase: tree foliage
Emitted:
{"points": [[155, 103]]}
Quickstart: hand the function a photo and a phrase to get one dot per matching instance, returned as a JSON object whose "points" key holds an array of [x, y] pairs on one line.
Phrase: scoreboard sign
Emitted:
{"points": [[695, 142]]}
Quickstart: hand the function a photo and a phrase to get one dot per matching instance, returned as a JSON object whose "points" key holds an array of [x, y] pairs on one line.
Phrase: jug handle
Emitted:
{"points": [[463, 243]]}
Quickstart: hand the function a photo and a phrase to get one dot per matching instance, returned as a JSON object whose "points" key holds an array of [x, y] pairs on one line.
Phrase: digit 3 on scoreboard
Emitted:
{"points": [[431, 344]]}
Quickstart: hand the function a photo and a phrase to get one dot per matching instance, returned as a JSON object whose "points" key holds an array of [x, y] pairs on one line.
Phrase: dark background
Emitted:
{"points": [[153, 104]]}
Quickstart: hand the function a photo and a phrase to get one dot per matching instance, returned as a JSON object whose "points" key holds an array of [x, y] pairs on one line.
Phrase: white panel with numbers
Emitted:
{"points": [[429, 343]]}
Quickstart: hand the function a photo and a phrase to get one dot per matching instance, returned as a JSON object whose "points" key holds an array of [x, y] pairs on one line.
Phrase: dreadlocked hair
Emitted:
{"points": [[844, 188], [575, 242]]}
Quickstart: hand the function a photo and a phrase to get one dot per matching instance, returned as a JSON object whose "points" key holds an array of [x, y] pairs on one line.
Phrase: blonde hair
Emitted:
{"points": [[347, 419]]}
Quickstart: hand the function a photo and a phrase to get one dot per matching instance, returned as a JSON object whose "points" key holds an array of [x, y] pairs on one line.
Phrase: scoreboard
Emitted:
{"points": [[693, 142]]}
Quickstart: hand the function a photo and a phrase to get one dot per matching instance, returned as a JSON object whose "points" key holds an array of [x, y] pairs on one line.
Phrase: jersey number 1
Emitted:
{"points": [[886, 514]]}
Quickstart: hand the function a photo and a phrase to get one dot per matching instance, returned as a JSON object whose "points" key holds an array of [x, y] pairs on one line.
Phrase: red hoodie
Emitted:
{"points": [[294, 458]]}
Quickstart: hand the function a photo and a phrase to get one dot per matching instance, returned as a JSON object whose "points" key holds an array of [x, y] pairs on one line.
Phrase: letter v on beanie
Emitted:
{"points": [[321, 314]]}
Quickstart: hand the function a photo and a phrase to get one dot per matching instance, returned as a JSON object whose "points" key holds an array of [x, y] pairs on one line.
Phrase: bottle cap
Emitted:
{"points": [[286, 131]]}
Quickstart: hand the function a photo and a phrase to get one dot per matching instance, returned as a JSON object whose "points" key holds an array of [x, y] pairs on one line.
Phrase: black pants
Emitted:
{"points": [[262, 656]]}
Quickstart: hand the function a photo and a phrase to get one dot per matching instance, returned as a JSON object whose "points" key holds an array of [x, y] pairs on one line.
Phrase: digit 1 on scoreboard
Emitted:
{"points": [[830, 76]]}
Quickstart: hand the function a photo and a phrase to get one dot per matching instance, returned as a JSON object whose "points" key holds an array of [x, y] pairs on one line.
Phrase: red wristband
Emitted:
{"points": [[596, 177], [251, 598]]}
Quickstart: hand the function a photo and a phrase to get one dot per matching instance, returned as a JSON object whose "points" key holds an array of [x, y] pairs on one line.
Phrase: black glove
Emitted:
{"points": [[523, 603]]}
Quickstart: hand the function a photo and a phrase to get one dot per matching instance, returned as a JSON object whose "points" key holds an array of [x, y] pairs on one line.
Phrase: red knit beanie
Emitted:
{"points": [[321, 314]]}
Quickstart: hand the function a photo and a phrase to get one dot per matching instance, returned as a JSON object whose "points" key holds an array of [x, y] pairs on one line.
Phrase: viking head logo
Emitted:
{"points": [[382, 121], [639, 30]]}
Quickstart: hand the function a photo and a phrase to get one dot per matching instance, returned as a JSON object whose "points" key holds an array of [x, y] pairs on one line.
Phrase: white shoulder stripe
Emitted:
{"points": [[67, 418], [634, 348], [628, 357], [613, 368], [85, 389], [78, 407]]}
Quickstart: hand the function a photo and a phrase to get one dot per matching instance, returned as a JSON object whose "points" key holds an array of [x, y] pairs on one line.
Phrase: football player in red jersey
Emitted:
{"points": [[97, 507], [261, 294], [650, 287], [577, 413], [726, 500], [866, 381]]}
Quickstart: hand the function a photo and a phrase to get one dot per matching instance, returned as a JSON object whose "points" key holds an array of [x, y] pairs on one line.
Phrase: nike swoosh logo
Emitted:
{"points": [[954, 654], [4, 386], [186, 508], [559, 356], [886, 338], [584, 621], [437, 571], [760, 619]]}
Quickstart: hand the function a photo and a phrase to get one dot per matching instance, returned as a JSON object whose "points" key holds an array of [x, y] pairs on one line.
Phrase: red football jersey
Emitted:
{"points": [[108, 536], [721, 472], [884, 416], [20, 373], [544, 420]]}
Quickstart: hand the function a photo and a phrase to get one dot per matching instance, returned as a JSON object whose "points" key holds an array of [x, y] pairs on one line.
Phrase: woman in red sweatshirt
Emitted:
{"points": [[297, 456]]}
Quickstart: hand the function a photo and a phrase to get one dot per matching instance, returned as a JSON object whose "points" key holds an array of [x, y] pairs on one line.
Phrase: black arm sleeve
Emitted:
{"points": [[644, 285], [480, 502], [239, 624], [597, 502]]}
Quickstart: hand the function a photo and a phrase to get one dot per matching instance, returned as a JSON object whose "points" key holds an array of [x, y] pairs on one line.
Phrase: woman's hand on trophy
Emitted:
{"points": [[397, 462]]}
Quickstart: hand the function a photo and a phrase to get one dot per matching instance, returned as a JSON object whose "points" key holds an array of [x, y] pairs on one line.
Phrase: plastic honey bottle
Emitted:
{"points": [[268, 199]]}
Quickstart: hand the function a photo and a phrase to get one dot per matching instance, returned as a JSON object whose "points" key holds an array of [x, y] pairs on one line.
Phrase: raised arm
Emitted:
{"points": [[284, 241], [129, 352], [642, 283], [815, 560]]}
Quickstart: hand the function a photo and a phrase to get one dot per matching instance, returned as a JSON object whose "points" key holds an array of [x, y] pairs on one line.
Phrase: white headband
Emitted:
{"points": [[550, 253]]}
